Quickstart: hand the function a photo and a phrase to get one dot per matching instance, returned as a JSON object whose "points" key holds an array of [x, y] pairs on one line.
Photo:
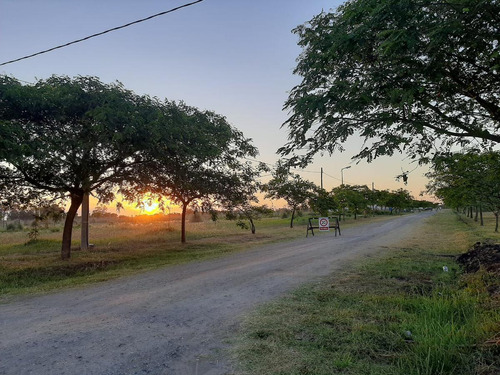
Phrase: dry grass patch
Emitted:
{"points": [[121, 248]]}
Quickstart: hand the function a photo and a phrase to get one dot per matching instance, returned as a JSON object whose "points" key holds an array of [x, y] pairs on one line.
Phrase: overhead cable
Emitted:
{"points": [[326, 174], [103, 32]]}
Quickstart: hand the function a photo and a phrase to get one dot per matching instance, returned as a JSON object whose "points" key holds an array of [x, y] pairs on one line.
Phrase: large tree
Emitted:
{"points": [[414, 76], [202, 165], [65, 138]]}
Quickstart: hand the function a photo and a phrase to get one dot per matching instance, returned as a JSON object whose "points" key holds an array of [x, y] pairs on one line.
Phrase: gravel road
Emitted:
{"points": [[175, 320]]}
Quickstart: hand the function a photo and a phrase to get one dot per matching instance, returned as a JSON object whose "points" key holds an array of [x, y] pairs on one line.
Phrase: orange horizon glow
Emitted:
{"points": [[148, 207]]}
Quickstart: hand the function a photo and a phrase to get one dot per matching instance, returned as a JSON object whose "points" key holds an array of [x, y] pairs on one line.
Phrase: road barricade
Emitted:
{"points": [[323, 224]]}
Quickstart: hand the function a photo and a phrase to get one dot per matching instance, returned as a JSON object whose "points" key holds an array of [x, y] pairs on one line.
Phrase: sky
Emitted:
{"points": [[233, 57]]}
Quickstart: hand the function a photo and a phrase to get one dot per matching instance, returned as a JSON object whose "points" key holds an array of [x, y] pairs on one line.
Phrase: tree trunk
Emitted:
{"points": [[76, 201], [477, 214], [183, 222], [293, 215], [496, 221], [481, 215], [252, 225], [84, 245]]}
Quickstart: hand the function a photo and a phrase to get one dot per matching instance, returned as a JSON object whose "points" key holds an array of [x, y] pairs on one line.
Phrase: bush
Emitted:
{"points": [[14, 227]]}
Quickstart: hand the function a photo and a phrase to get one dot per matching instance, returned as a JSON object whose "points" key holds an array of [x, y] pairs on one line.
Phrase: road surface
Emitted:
{"points": [[175, 320]]}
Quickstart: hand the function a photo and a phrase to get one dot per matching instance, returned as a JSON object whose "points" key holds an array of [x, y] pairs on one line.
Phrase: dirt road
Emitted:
{"points": [[176, 320]]}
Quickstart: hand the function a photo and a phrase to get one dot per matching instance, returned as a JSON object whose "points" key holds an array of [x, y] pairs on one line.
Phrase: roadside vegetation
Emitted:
{"points": [[410, 310]]}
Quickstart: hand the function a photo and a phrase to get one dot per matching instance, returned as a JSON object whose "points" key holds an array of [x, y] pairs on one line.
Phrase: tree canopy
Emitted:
{"points": [[323, 202], [64, 137], [413, 76], [355, 198], [291, 187]]}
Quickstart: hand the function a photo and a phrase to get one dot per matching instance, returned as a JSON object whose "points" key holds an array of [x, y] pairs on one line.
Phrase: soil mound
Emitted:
{"points": [[482, 254]]}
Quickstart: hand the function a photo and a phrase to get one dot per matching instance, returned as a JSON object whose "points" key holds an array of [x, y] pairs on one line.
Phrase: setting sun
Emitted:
{"points": [[150, 207]]}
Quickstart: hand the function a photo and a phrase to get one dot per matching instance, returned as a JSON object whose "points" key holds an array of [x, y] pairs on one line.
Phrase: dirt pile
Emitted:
{"points": [[486, 255]]}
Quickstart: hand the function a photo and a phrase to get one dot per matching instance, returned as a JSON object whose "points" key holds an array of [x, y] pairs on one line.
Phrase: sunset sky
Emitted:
{"points": [[234, 57]]}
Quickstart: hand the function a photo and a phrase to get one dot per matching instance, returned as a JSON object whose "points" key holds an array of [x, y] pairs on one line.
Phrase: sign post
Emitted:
{"points": [[324, 224]]}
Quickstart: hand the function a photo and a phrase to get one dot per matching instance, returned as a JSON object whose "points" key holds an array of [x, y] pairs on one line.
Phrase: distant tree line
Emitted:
{"points": [[344, 199]]}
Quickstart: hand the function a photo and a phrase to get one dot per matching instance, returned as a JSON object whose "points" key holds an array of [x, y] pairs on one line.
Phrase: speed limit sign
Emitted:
{"points": [[324, 224]]}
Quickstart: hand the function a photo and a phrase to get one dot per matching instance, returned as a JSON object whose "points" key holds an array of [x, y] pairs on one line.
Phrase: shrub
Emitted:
{"points": [[14, 227]]}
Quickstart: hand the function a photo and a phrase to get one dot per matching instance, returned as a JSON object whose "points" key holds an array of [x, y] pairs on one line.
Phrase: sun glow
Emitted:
{"points": [[147, 206], [150, 207]]}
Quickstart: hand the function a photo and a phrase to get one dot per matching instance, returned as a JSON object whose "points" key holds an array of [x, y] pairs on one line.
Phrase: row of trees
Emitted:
{"points": [[64, 138], [468, 180], [353, 199]]}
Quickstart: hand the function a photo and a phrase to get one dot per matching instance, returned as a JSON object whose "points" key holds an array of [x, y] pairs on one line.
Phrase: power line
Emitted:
{"points": [[303, 170], [103, 32], [335, 178], [295, 169], [258, 161], [272, 165]]}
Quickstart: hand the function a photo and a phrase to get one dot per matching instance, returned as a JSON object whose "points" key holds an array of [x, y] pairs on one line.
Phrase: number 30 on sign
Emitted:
{"points": [[324, 223]]}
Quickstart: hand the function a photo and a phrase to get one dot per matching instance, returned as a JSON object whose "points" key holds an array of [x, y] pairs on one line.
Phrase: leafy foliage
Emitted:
{"points": [[409, 76], [355, 198], [243, 212], [467, 179], [323, 202], [291, 187], [66, 137]]}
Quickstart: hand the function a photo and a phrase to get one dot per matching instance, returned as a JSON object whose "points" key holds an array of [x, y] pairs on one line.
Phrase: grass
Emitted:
{"points": [[399, 313], [123, 248]]}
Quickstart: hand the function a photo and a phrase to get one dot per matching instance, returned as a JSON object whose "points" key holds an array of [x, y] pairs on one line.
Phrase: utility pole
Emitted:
{"points": [[84, 245], [321, 177]]}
